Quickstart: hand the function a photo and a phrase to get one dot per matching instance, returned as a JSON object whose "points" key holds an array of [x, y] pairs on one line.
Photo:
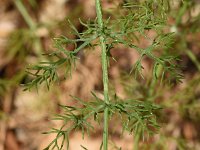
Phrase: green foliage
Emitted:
{"points": [[140, 19], [135, 115], [135, 21], [47, 71]]}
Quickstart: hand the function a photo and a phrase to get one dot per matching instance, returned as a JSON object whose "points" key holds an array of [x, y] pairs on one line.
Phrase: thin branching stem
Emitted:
{"points": [[32, 25], [105, 71], [25, 14]]}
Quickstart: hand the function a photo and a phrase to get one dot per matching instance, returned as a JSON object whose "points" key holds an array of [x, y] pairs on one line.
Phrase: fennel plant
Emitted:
{"points": [[133, 21]]}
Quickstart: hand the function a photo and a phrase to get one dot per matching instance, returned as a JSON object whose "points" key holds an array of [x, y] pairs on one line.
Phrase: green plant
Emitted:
{"points": [[137, 116]]}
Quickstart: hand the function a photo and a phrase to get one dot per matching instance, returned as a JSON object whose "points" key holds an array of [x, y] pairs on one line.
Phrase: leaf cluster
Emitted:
{"points": [[136, 116], [140, 19], [135, 21], [48, 71]]}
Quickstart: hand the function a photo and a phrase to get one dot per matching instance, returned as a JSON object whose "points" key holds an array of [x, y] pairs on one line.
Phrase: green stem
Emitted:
{"points": [[137, 137], [136, 141], [190, 54], [25, 14], [193, 58], [154, 81], [105, 72], [32, 25], [181, 12]]}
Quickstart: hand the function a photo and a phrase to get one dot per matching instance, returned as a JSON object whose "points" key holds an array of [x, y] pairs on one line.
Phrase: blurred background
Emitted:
{"points": [[27, 28]]}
